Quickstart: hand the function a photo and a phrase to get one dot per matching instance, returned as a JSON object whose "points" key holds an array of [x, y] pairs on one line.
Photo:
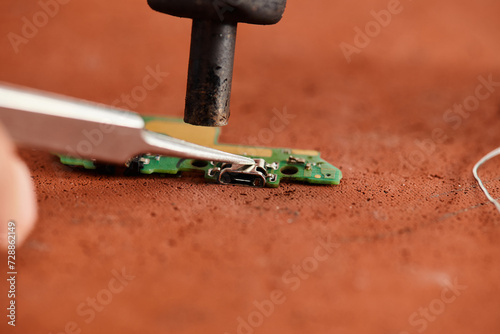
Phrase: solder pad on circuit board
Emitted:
{"points": [[277, 163]]}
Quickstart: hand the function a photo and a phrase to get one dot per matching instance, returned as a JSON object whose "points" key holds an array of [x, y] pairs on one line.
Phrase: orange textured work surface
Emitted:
{"points": [[407, 243]]}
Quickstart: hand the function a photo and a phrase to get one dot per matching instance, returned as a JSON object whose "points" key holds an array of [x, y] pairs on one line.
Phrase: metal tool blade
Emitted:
{"points": [[89, 130]]}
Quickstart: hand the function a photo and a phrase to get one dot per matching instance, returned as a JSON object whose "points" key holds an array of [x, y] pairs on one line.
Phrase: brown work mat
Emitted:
{"points": [[406, 243]]}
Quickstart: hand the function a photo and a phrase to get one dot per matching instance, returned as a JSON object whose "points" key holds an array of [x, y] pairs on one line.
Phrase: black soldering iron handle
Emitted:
{"points": [[213, 39]]}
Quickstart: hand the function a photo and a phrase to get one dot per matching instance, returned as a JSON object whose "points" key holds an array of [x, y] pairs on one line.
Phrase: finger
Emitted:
{"points": [[17, 195]]}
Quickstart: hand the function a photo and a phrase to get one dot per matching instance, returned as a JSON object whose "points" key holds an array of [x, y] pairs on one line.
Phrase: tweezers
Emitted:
{"points": [[90, 130]]}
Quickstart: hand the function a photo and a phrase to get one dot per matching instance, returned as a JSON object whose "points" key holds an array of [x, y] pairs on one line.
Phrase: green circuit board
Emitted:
{"points": [[273, 164]]}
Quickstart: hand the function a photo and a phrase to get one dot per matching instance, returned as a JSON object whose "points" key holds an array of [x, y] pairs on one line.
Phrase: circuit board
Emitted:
{"points": [[272, 164]]}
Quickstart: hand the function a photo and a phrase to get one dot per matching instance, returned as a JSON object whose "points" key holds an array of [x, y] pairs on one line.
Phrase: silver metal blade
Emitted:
{"points": [[184, 149], [89, 130]]}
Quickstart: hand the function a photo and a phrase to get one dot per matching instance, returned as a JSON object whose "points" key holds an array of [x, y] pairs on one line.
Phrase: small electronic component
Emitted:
{"points": [[272, 164], [254, 176]]}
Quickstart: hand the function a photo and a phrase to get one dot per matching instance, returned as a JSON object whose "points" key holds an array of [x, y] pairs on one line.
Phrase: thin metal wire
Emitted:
{"points": [[487, 157]]}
